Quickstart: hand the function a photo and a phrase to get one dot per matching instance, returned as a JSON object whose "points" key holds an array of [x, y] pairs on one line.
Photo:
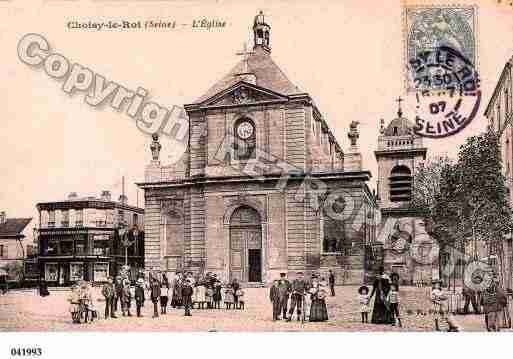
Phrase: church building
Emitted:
{"points": [[408, 249], [264, 186]]}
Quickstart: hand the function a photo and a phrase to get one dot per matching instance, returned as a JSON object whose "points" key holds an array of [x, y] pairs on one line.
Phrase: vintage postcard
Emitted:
{"points": [[255, 166]]}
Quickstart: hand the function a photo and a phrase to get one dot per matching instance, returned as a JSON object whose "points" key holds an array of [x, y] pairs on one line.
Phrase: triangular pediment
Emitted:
{"points": [[243, 93]]}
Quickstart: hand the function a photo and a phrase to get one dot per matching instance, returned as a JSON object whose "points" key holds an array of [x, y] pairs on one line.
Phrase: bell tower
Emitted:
{"points": [[261, 32], [400, 152]]}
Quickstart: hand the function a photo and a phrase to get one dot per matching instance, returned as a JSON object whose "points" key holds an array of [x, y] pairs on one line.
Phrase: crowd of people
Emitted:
{"points": [[304, 297], [185, 291], [386, 308]]}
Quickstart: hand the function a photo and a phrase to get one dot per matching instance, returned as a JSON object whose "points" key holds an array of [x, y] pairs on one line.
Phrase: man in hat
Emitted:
{"points": [[299, 288], [274, 296], [155, 295], [108, 294], [187, 297], [283, 292], [139, 296]]}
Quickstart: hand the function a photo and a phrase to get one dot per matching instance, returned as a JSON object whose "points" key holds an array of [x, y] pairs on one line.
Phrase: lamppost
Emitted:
{"points": [[127, 242]]}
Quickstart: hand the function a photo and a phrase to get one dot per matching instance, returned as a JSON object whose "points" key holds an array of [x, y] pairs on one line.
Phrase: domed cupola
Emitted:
{"points": [[399, 126]]}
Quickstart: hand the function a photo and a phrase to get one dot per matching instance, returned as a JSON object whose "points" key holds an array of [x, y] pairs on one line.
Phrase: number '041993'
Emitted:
{"points": [[26, 352]]}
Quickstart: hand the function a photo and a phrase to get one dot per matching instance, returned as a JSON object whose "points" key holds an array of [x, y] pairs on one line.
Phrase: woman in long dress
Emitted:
{"points": [[318, 309], [176, 299], [380, 289]]}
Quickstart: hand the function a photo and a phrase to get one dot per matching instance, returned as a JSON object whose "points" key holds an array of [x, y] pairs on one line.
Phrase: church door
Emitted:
{"points": [[246, 245]]}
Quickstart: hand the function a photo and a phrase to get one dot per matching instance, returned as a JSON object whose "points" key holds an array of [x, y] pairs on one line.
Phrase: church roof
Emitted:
{"points": [[399, 126], [268, 75]]}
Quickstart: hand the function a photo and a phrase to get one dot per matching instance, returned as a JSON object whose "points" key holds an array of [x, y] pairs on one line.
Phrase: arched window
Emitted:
{"points": [[245, 139], [332, 226], [400, 184]]}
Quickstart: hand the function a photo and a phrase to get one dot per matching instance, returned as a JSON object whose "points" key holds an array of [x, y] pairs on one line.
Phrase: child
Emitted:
{"points": [[363, 298], [441, 310], [201, 295], [240, 298], [74, 300], [164, 295], [217, 294], [274, 296], [86, 298], [139, 296], [228, 296], [393, 299], [209, 296]]}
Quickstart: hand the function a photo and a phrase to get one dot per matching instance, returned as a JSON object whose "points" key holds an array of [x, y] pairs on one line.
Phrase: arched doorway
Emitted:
{"points": [[246, 245]]}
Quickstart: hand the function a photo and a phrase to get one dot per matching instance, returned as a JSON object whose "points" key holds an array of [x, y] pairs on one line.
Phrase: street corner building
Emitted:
{"points": [[248, 199], [408, 250], [13, 247], [80, 238]]}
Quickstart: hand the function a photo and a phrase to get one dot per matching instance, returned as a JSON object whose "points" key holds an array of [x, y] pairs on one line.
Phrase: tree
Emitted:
{"points": [[466, 202], [436, 198], [483, 194]]}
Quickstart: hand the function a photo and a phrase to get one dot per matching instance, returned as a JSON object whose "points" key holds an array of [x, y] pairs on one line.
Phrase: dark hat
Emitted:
{"points": [[362, 288], [283, 274]]}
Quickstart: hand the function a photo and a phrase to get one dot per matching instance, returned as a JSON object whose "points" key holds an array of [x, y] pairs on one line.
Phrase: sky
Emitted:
{"points": [[349, 56]]}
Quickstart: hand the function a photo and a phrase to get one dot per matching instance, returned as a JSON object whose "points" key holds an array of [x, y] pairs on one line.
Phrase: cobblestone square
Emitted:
{"points": [[26, 311]]}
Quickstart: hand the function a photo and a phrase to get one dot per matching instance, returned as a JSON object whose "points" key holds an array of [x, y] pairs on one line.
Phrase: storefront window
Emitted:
{"points": [[76, 271], [101, 245], [101, 271], [51, 272]]}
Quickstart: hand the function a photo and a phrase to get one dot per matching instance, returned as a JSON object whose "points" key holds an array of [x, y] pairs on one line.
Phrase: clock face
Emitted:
{"points": [[245, 130]]}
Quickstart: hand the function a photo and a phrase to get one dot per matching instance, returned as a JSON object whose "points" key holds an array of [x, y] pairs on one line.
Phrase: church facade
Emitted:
{"points": [[264, 186]]}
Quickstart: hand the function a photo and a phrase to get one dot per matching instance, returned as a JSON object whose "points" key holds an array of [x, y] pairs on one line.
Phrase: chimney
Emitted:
{"points": [[106, 196], [3, 217], [72, 195], [123, 199]]}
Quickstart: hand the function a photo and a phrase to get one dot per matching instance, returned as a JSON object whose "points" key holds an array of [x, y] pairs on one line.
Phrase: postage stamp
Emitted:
{"points": [[441, 68], [429, 28]]}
